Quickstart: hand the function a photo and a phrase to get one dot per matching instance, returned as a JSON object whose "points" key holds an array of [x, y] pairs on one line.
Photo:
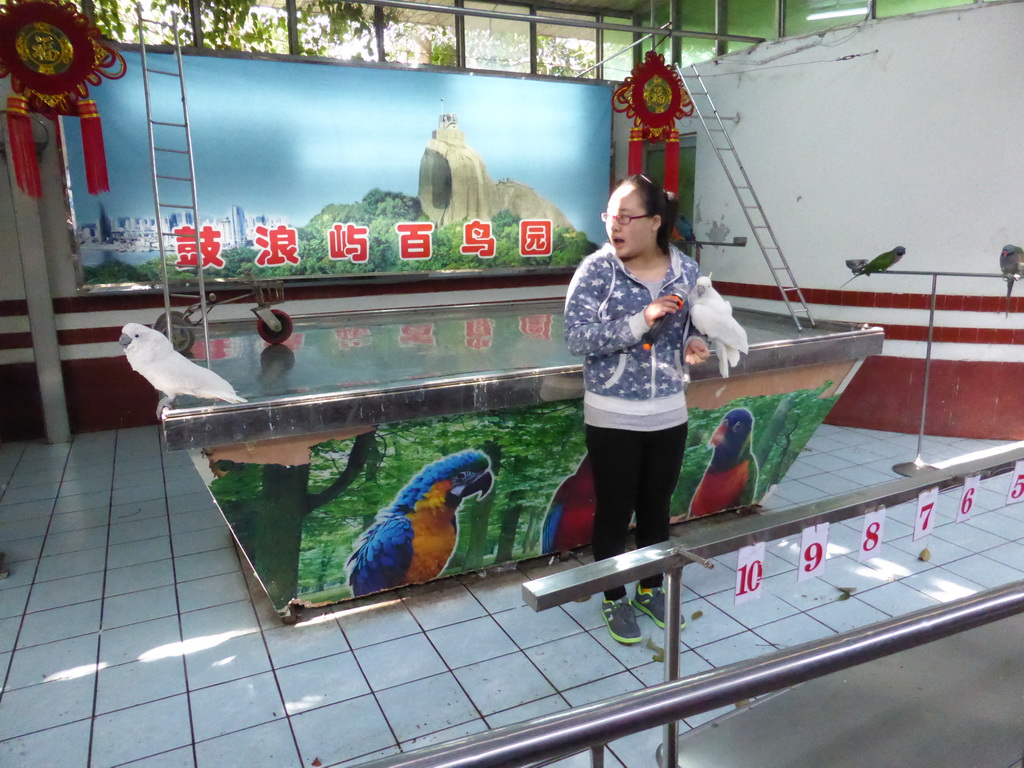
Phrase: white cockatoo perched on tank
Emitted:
{"points": [[151, 354], [712, 316]]}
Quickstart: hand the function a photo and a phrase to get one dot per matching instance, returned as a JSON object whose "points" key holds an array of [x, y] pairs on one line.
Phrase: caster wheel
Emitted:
{"points": [[183, 335], [271, 336]]}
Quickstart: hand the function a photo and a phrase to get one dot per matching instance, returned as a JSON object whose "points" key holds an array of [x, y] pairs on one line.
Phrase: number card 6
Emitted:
{"points": [[963, 512]]}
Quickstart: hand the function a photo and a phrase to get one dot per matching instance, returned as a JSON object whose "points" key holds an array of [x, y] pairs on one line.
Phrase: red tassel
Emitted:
{"points": [[23, 146], [636, 152], [92, 147], [672, 162]]}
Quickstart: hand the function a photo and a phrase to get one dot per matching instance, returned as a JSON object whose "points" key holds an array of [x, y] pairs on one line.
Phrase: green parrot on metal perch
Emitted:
{"points": [[880, 263]]}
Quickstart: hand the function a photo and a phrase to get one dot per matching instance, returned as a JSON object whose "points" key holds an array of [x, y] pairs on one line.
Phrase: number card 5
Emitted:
{"points": [[963, 512], [871, 539], [1016, 492], [925, 521], [749, 572], [813, 548]]}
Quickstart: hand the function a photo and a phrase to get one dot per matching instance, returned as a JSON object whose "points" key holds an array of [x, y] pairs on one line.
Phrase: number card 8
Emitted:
{"points": [[871, 539]]}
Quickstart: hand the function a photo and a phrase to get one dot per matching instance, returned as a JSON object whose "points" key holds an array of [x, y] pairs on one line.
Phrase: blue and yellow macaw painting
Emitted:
{"points": [[730, 479], [413, 539]]}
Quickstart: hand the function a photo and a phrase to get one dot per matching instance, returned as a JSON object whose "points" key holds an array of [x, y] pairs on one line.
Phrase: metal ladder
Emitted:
{"points": [[762, 230], [175, 131]]}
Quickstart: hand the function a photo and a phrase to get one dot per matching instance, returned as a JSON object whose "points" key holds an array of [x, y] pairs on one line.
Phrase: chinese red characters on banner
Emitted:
{"points": [[279, 245], [209, 245], [477, 238], [535, 238], [349, 241]]}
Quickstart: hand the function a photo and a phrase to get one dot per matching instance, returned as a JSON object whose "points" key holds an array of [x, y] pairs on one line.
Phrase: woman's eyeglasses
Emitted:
{"points": [[623, 218]]}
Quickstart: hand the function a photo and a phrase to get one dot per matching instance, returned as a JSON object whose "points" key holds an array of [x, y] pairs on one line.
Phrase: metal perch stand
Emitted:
{"points": [[910, 468]]}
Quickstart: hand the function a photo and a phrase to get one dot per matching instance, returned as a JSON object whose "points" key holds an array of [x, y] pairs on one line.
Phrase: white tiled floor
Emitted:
{"points": [[128, 635]]}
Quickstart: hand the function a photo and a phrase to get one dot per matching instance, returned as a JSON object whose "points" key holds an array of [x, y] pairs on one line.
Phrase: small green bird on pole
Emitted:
{"points": [[880, 263]]}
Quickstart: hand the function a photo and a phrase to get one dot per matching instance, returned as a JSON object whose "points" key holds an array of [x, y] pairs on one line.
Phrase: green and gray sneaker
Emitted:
{"points": [[621, 621], [652, 602]]}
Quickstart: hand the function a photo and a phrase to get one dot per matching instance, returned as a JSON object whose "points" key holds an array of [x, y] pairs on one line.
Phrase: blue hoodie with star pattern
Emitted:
{"points": [[604, 322]]}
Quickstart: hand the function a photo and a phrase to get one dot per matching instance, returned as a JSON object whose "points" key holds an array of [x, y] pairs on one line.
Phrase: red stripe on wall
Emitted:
{"points": [[22, 416], [13, 308], [71, 336], [104, 393], [879, 300], [965, 398], [21, 340]]}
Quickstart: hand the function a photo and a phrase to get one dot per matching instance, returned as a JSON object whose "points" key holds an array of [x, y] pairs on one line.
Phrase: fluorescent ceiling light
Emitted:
{"points": [[837, 14]]}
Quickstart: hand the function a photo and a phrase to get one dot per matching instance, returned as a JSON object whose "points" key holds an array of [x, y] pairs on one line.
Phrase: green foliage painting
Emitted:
{"points": [[300, 525]]}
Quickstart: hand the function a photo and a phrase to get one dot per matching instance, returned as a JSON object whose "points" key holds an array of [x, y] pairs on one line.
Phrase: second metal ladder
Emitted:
{"points": [[763, 233], [176, 131]]}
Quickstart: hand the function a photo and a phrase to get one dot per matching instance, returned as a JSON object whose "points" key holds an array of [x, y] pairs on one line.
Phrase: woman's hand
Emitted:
{"points": [[696, 351], [666, 305]]}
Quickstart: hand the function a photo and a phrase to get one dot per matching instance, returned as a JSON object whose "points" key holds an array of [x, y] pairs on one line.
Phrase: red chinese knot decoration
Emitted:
{"points": [[53, 54], [654, 96]]}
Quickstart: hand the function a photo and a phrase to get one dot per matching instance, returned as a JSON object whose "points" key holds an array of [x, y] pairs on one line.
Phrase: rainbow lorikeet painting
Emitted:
{"points": [[569, 522], [730, 479], [412, 540]]}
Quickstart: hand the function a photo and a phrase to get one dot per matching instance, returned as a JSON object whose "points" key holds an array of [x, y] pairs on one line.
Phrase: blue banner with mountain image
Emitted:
{"points": [[317, 169]]}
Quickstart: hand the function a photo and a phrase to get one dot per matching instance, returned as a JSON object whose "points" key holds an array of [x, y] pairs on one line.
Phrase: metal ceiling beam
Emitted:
{"points": [[564, 22]]}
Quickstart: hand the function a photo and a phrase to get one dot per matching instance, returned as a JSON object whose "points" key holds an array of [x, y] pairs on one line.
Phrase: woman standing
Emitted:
{"points": [[635, 402]]}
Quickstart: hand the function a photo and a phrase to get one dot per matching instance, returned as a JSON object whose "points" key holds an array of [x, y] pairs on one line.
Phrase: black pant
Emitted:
{"points": [[633, 472]]}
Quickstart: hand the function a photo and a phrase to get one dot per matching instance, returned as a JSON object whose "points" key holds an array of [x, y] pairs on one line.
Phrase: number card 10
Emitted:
{"points": [[749, 573]]}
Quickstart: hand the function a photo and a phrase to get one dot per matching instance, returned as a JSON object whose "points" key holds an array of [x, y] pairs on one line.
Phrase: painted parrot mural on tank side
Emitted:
{"points": [[413, 539], [412, 501], [730, 479], [570, 519]]}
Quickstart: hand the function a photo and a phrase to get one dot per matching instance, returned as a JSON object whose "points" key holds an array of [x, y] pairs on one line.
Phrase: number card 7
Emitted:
{"points": [[925, 521], [813, 549]]}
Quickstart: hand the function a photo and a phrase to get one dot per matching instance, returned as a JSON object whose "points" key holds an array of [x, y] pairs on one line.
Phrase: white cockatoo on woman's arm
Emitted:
{"points": [[712, 316], [151, 354]]}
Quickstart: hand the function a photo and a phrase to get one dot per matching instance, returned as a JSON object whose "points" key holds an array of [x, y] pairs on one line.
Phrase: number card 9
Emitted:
{"points": [[813, 550]]}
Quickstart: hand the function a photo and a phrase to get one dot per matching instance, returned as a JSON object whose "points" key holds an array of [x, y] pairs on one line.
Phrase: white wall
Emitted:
{"points": [[913, 142]]}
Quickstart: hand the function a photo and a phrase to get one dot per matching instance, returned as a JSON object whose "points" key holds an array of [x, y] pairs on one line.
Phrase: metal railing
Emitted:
{"points": [[594, 725]]}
